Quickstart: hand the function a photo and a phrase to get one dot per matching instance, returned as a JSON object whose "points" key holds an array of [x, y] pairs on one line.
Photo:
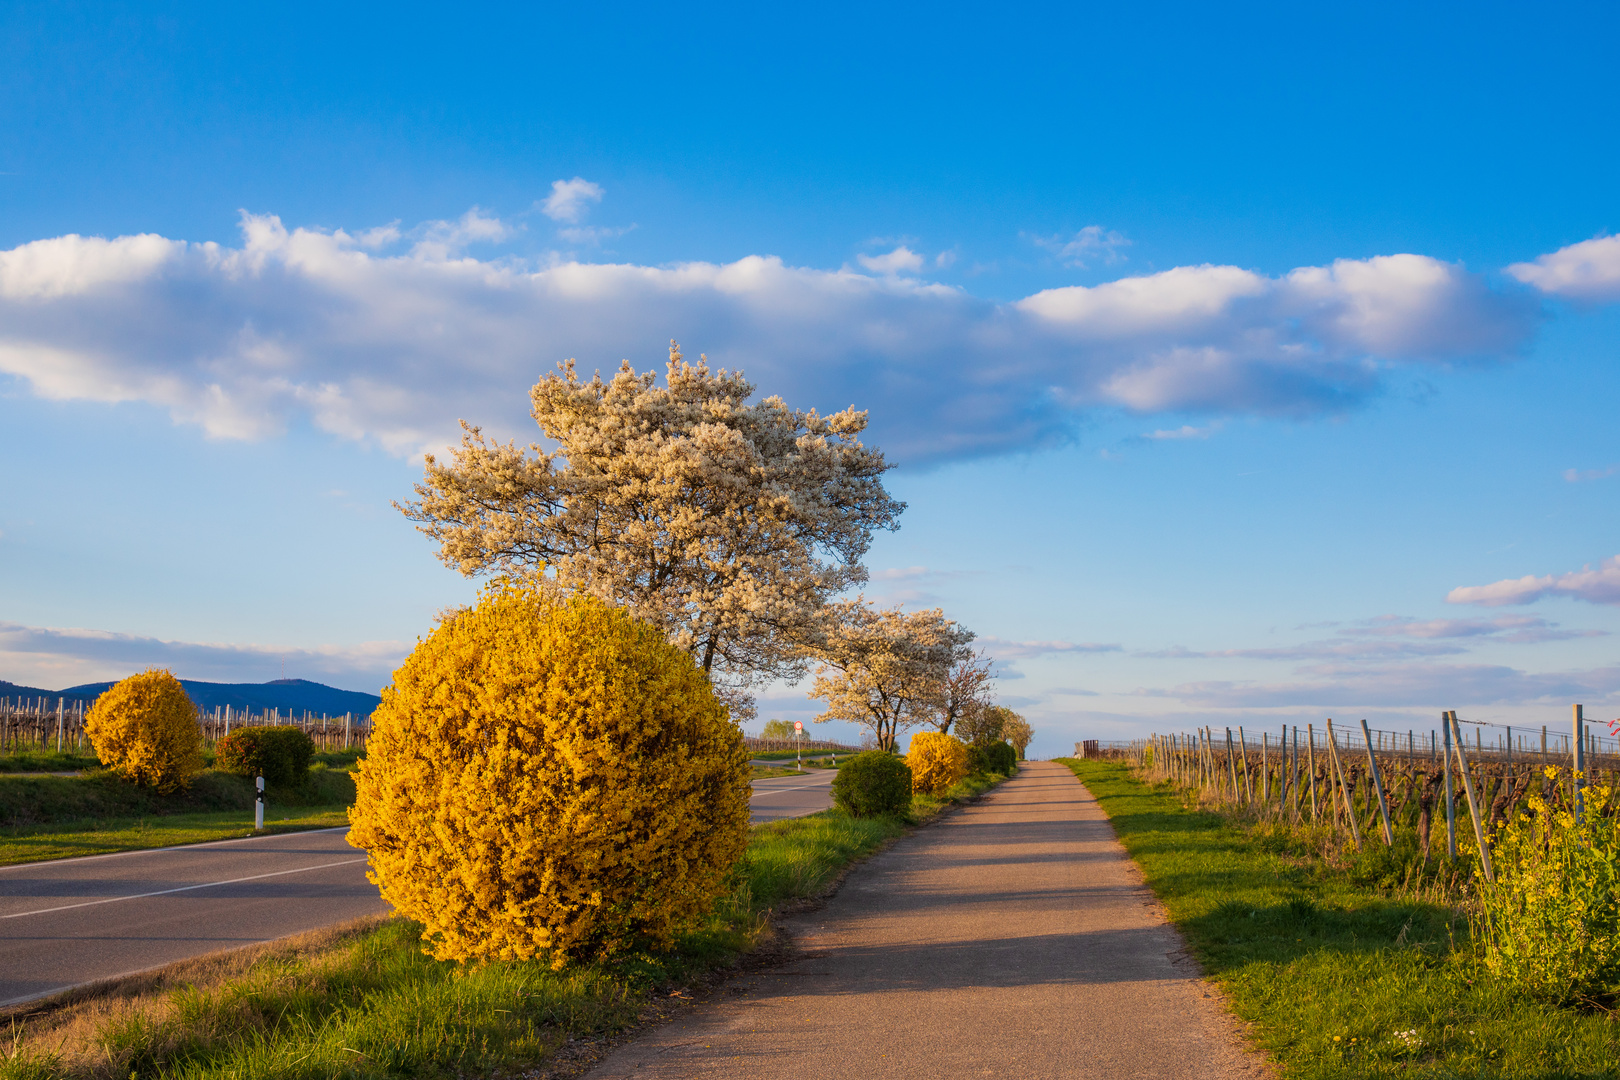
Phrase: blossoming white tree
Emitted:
{"points": [[885, 670], [731, 525]]}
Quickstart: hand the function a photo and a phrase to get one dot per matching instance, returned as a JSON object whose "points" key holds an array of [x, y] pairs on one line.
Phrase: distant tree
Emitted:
{"points": [[1017, 731], [776, 729], [984, 725], [966, 687], [729, 526], [884, 670]]}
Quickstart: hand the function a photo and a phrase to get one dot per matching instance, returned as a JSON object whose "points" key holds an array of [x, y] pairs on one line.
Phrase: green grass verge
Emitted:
{"points": [[368, 1004], [56, 817], [1330, 971]]}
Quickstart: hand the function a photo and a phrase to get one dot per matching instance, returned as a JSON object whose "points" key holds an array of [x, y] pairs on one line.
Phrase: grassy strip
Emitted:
{"points": [[56, 817], [38, 843], [1339, 979], [366, 1003], [45, 760]]}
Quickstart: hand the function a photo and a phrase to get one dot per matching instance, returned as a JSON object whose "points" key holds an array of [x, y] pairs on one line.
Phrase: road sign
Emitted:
{"points": [[798, 727]]}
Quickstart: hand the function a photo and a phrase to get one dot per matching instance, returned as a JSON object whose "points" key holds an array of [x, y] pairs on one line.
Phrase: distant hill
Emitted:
{"points": [[288, 695]]}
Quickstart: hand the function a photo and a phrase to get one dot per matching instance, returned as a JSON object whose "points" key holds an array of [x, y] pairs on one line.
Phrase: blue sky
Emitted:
{"points": [[1239, 363]]}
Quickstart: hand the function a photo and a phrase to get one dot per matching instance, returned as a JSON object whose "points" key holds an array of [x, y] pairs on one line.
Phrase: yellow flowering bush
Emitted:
{"points": [[1550, 923], [145, 730], [550, 776], [937, 761]]}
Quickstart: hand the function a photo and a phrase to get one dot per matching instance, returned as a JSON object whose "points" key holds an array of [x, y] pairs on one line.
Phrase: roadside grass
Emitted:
{"points": [[56, 817], [33, 760], [1338, 977], [364, 1002]]}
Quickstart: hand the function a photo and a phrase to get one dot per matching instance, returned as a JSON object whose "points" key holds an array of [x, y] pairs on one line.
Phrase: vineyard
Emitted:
{"points": [[1441, 793], [42, 724]]}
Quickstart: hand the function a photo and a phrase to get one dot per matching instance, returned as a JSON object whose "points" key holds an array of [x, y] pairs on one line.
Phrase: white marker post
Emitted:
{"points": [[258, 807], [798, 741]]}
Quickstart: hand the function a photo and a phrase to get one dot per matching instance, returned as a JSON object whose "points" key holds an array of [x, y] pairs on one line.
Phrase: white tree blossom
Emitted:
{"points": [[885, 670], [730, 525]]}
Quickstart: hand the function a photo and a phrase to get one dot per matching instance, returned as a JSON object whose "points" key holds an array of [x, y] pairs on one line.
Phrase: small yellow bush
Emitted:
{"points": [[937, 761], [550, 776], [145, 730]]}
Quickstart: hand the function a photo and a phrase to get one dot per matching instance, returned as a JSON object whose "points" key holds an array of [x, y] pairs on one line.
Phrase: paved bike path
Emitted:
{"points": [[1014, 938]]}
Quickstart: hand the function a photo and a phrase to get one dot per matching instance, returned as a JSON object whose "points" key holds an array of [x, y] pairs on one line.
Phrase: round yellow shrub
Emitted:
{"points": [[937, 761], [550, 777], [145, 730]]}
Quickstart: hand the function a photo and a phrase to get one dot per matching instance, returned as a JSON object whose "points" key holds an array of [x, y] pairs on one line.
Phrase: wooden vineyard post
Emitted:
{"points": [[1344, 786], [1451, 801], [1310, 753], [1293, 780], [1578, 759], [1265, 767], [1231, 766], [1378, 786], [1248, 777], [1473, 806]]}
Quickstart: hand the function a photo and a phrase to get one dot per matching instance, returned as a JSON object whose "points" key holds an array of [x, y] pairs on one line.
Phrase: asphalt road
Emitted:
{"points": [[1013, 938], [780, 797], [73, 921]]}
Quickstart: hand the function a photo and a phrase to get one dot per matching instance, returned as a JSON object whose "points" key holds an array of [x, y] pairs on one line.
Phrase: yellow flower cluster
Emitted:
{"points": [[550, 776], [937, 761], [1550, 923], [145, 730]]}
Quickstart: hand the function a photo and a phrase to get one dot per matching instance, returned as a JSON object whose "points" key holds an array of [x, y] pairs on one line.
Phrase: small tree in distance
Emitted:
{"points": [[884, 670], [966, 687], [1017, 731], [776, 729]]}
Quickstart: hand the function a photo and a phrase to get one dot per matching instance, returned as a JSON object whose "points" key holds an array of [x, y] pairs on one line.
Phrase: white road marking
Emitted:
{"points": [[183, 888], [773, 791]]}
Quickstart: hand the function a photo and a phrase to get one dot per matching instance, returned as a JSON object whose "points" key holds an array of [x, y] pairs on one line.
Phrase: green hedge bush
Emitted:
{"points": [[279, 754], [873, 783], [996, 757]]}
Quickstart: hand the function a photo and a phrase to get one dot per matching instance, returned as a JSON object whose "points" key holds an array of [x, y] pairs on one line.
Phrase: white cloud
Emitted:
{"points": [[55, 658], [1185, 431], [1518, 629], [1575, 476], [900, 573], [902, 260], [1600, 586], [395, 348], [571, 200], [1003, 649], [1091, 243], [1438, 686], [1589, 271], [446, 239]]}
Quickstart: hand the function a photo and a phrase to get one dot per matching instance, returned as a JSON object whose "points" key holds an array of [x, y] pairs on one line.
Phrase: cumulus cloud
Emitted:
{"points": [[54, 658], [1090, 244], [394, 348], [571, 200], [1600, 586], [1588, 271], [902, 260]]}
